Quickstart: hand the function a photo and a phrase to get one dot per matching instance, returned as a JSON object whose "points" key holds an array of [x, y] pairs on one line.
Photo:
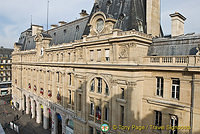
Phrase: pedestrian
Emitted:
{"points": [[17, 117]]}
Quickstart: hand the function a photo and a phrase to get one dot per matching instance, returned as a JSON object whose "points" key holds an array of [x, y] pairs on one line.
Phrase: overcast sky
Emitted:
{"points": [[15, 15]]}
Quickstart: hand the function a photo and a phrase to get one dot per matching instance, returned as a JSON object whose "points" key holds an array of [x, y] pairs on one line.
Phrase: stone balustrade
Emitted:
{"points": [[173, 60]]}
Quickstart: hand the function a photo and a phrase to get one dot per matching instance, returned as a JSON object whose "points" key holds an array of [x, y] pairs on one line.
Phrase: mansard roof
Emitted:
{"points": [[174, 46], [62, 34], [128, 13]]}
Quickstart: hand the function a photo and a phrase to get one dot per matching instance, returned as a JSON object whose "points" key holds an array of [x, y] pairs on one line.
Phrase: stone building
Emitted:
{"points": [[113, 66], [6, 75]]}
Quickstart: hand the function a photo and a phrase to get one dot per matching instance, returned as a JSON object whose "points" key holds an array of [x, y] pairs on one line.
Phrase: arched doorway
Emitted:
{"points": [[69, 126], [59, 123], [29, 106], [50, 118], [24, 102], [35, 108], [42, 113]]}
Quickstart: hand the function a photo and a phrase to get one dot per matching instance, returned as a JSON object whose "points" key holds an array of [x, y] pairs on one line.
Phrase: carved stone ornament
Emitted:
{"points": [[38, 38], [123, 51], [197, 59], [80, 53]]}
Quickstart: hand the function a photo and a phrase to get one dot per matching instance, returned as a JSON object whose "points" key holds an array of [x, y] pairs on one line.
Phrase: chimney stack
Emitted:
{"points": [[83, 13], [177, 24], [153, 17], [62, 23], [36, 29]]}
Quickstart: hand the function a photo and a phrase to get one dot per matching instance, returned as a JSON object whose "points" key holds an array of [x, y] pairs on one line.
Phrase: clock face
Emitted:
{"points": [[100, 25]]}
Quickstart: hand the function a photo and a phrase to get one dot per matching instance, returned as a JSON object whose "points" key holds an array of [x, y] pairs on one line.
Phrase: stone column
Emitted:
{"points": [[54, 128], [33, 108], [63, 123], [20, 101], [39, 113], [27, 105], [46, 118]]}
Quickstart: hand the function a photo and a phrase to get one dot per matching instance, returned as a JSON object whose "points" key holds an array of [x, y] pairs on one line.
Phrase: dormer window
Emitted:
{"points": [[122, 16], [97, 7], [76, 34], [108, 4], [64, 31], [77, 28], [140, 26]]}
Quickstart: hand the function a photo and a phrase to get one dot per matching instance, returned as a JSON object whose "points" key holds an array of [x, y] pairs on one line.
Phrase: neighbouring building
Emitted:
{"points": [[6, 71], [113, 66]]}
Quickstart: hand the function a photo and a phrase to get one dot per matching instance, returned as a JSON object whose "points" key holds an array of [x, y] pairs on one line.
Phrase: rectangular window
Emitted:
{"points": [[92, 86], [92, 108], [69, 57], [122, 115], [98, 113], [99, 55], [79, 107], [158, 118], [106, 114], [107, 54], [70, 79], [174, 123], [91, 55], [74, 56], [62, 57], [57, 57], [175, 88], [160, 83], [107, 90], [57, 76], [99, 85], [48, 72], [122, 90], [70, 97]]}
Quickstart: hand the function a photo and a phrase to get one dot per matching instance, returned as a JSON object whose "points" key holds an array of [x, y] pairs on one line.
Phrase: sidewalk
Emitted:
{"points": [[26, 125]]}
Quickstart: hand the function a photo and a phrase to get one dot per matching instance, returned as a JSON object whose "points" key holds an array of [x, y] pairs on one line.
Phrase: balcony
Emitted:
{"points": [[172, 60]]}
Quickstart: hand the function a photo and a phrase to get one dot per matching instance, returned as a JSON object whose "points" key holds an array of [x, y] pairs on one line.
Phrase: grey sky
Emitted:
{"points": [[15, 15]]}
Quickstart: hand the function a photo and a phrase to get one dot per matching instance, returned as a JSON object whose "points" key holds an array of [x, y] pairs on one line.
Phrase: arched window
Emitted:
{"points": [[76, 33], [98, 113], [70, 123], [99, 85]]}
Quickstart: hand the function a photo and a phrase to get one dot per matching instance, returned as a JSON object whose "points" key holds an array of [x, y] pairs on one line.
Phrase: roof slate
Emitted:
{"points": [[181, 45], [126, 12]]}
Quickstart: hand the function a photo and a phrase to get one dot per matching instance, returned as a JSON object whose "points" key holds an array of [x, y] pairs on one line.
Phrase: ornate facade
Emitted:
{"points": [[76, 82]]}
